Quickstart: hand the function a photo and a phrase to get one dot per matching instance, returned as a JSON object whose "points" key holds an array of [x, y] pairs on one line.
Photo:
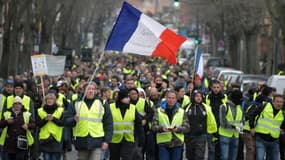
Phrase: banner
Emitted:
{"points": [[48, 65]]}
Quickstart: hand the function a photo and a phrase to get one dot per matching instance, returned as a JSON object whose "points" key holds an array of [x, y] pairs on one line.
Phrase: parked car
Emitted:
{"points": [[248, 81], [228, 74], [277, 82]]}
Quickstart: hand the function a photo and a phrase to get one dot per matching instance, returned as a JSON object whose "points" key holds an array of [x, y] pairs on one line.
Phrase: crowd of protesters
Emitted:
{"points": [[138, 108]]}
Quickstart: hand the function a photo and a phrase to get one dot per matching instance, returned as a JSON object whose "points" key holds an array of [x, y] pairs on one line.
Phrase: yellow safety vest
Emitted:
{"points": [[211, 121], [206, 82], [50, 128], [224, 100], [128, 71], [233, 121], [186, 100], [138, 84], [123, 126], [25, 100], [60, 98], [26, 116], [280, 73], [74, 97], [267, 123], [2, 101], [255, 94], [140, 106], [163, 120], [90, 120], [73, 86], [246, 123]]}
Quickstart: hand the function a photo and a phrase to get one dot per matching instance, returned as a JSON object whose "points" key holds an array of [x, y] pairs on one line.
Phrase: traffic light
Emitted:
{"points": [[197, 41], [176, 3]]}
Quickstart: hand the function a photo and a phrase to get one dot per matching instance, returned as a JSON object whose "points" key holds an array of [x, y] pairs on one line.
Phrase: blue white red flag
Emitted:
{"points": [[135, 32], [199, 68]]}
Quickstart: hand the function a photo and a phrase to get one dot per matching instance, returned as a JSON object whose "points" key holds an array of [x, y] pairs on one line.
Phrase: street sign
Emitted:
{"points": [[221, 45]]}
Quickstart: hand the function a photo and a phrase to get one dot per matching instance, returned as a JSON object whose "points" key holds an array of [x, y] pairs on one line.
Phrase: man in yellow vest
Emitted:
{"points": [[92, 125], [128, 130], [170, 123], [26, 100], [267, 128], [250, 115], [16, 136], [215, 99], [230, 125], [8, 90], [182, 99], [202, 122]]}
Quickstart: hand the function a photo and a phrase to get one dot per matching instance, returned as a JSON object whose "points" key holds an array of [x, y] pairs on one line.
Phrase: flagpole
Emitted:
{"points": [[193, 71], [85, 92], [43, 87]]}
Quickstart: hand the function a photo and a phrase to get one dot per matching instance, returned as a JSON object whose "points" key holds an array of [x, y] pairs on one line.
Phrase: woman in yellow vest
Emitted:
{"points": [[230, 126], [170, 123], [50, 122], [16, 136], [127, 128]]}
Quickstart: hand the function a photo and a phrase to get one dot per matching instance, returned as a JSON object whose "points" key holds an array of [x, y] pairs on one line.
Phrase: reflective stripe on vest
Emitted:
{"points": [[90, 120], [26, 116], [164, 121], [123, 127], [140, 106], [267, 123], [235, 122], [50, 128], [25, 101]]}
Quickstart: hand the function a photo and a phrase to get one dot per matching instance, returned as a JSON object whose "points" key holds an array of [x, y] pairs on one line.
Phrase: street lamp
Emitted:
{"points": [[176, 3]]}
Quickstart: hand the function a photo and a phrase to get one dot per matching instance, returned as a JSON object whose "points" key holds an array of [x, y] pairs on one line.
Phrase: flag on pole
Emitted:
{"points": [[199, 68], [135, 32]]}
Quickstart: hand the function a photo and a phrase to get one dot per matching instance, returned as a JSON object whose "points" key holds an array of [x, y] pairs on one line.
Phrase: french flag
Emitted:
{"points": [[135, 32], [199, 68]]}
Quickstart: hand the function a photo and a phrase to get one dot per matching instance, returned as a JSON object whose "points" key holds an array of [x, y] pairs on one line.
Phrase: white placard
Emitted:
{"points": [[39, 65]]}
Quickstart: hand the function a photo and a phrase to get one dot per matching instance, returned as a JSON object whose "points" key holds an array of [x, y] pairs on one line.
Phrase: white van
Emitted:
{"points": [[277, 82]]}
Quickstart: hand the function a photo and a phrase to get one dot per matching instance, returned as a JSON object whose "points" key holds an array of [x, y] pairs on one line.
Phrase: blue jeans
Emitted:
{"points": [[229, 148], [51, 156], [271, 149], [167, 153]]}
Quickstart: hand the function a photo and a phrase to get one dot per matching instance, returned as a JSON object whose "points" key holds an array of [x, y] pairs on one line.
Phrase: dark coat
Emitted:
{"points": [[14, 130]]}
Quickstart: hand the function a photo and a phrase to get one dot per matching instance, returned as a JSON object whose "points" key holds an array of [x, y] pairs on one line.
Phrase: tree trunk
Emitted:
{"points": [[233, 52]]}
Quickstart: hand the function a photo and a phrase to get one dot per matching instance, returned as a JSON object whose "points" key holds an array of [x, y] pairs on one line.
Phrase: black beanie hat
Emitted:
{"points": [[133, 89], [19, 84], [123, 93], [236, 96]]}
